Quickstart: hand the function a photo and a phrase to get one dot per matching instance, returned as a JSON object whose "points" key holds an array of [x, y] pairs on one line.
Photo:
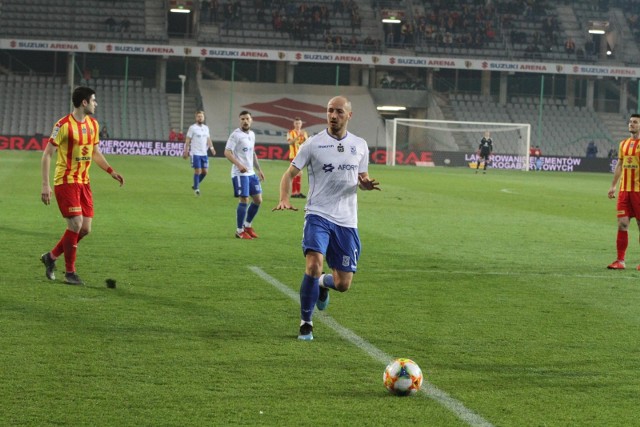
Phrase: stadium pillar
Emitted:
{"points": [[571, 91], [182, 78], [591, 84], [281, 71], [485, 83], [364, 76], [286, 72], [540, 103], [354, 75], [161, 73], [504, 79], [71, 63], [601, 94], [429, 79], [624, 90]]}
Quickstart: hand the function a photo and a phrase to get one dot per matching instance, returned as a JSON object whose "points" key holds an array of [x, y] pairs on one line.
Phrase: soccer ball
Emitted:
{"points": [[402, 377]]}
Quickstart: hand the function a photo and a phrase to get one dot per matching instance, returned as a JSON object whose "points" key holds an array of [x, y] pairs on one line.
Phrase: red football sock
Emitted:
{"points": [[621, 244], [59, 248], [70, 245], [295, 185]]}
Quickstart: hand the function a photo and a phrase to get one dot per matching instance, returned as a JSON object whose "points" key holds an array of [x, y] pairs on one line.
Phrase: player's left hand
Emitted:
{"points": [[284, 206], [115, 175], [368, 184]]}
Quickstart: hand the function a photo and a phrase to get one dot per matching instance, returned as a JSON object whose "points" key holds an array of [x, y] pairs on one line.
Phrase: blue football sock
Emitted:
{"points": [[201, 177], [327, 281], [252, 211], [196, 181], [309, 291], [241, 212]]}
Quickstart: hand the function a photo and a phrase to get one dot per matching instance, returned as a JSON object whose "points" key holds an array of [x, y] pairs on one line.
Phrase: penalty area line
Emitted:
{"points": [[431, 391]]}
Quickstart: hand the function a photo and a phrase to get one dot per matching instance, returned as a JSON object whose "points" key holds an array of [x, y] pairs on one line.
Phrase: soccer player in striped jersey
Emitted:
{"points": [[337, 165], [198, 144], [240, 151], [75, 138], [296, 137], [627, 171]]}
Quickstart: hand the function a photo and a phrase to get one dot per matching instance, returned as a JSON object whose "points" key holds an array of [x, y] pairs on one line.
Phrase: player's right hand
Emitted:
{"points": [[45, 196]]}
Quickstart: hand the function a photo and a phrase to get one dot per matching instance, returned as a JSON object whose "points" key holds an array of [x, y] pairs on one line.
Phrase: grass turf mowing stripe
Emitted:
{"points": [[456, 407]]}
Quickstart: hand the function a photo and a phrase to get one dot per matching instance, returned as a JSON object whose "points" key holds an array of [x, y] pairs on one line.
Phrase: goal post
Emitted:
{"points": [[512, 140]]}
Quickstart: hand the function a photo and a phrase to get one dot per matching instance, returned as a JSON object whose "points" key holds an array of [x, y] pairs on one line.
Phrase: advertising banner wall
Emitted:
{"points": [[376, 155]]}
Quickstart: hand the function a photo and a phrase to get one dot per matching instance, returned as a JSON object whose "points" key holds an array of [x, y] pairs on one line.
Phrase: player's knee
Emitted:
{"points": [[314, 269], [342, 285], [84, 232]]}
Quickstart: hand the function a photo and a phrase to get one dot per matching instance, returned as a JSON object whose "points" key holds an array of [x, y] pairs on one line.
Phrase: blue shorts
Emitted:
{"points": [[339, 245], [200, 162], [245, 186]]}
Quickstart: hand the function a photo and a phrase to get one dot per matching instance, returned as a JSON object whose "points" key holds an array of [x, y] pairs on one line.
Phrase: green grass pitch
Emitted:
{"points": [[496, 285]]}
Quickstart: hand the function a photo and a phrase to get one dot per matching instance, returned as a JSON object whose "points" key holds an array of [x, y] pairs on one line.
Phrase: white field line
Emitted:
{"points": [[607, 274], [456, 407]]}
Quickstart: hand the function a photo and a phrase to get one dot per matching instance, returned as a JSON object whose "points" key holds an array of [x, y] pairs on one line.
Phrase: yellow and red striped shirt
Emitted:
{"points": [[75, 141], [296, 139], [629, 155]]}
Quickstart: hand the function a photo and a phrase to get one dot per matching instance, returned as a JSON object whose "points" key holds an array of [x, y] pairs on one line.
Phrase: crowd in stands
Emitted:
{"points": [[117, 27], [175, 135], [300, 20], [456, 23], [632, 13], [295, 18], [474, 24], [467, 24]]}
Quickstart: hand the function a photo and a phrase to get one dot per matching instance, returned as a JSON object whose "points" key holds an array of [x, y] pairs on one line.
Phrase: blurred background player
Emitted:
{"points": [[331, 220], [197, 145], [240, 151], [296, 137], [628, 204], [536, 153], [485, 148], [75, 137]]}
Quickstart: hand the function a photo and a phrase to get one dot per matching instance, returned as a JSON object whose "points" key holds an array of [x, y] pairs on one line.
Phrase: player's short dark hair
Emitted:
{"points": [[635, 115], [244, 113], [81, 93], [295, 119]]}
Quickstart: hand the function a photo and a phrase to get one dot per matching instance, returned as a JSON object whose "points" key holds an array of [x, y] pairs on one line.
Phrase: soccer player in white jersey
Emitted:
{"points": [[240, 151], [337, 165], [197, 145]]}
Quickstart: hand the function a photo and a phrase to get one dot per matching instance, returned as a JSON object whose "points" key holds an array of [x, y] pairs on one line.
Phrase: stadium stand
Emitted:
{"points": [[31, 105], [322, 25], [139, 20], [537, 30], [565, 130]]}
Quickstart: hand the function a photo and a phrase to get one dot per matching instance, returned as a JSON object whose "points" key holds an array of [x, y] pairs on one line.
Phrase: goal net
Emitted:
{"points": [[511, 141]]}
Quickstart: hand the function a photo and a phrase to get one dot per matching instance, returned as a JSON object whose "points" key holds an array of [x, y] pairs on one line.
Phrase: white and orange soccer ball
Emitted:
{"points": [[402, 377]]}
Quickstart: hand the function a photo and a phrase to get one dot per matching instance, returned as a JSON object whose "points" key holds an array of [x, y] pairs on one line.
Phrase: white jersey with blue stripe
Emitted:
{"points": [[242, 144], [199, 135], [332, 167]]}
